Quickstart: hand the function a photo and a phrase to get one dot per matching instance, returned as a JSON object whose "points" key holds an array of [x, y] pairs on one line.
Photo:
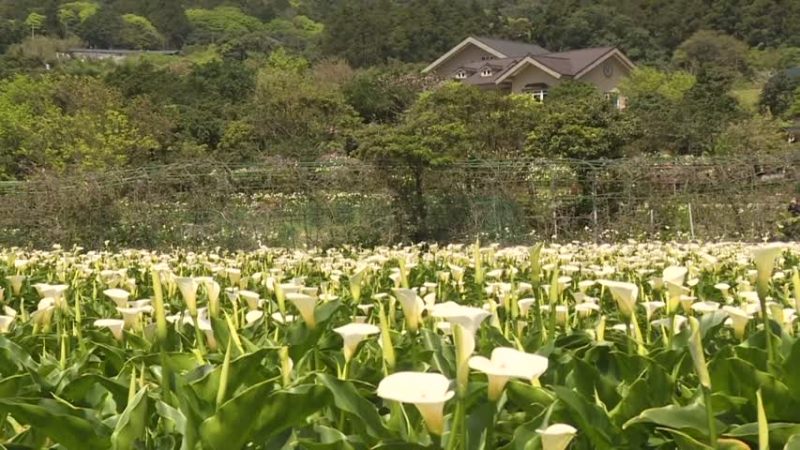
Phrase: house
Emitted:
{"points": [[518, 67]]}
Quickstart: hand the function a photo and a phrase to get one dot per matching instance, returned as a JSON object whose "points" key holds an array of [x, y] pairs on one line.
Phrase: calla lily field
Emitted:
{"points": [[633, 345]]}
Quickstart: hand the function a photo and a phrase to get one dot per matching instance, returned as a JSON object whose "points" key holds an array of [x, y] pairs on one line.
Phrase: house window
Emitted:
{"points": [[486, 72], [461, 74], [616, 99], [487, 58], [538, 91]]}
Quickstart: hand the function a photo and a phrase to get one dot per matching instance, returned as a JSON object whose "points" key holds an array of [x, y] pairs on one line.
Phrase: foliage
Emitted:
{"points": [[138, 33], [714, 53], [220, 23], [65, 124], [752, 136], [778, 94], [578, 122], [646, 81]]}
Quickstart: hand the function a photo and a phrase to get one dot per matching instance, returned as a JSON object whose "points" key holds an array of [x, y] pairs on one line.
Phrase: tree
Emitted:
{"points": [[169, 17], [752, 136], [578, 122], [452, 123], [138, 33], [381, 94], [64, 124], [294, 115], [717, 54], [778, 93], [34, 22], [220, 24], [103, 28], [645, 81], [71, 15]]}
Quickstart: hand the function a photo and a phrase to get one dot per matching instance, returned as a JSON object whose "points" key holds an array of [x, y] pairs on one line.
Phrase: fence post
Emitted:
{"points": [[691, 222]]}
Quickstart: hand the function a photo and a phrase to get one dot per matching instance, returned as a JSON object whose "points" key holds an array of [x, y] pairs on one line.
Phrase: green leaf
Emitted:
{"points": [[255, 415], [589, 418], [692, 417], [132, 423], [63, 424], [10, 386], [779, 433], [793, 443], [243, 369], [347, 398], [79, 389]]}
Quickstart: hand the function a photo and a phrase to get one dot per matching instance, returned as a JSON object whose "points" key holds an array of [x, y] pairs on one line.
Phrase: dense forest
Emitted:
{"points": [[310, 79]]}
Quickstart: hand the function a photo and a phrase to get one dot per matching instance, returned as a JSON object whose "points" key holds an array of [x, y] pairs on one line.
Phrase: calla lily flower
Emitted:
{"points": [[213, 290], [557, 436], [16, 283], [306, 305], [353, 334], [705, 307], [764, 258], [252, 316], [738, 320], [188, 287], [467, 316], [507, 363], [280, 318], [115, 325], [427, 391], [5, 323], [252, 299], [119, 296], [625, 294], [524, 305], [412, 306]]}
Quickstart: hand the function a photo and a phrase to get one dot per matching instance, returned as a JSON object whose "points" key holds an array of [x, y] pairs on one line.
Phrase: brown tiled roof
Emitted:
{"points": [[573, 61], [513, 48]]}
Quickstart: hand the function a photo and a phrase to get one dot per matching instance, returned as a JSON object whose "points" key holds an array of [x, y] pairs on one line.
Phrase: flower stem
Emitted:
{"points": [[712, 422]]}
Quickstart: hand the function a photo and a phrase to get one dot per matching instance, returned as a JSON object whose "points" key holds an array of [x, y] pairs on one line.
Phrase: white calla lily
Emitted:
{"points": [[507, 363], [306, 305], [557, 436], [427, 391], [352, 334]]}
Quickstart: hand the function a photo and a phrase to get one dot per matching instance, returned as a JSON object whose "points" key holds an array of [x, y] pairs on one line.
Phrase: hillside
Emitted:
{"points": [[367, 32]]}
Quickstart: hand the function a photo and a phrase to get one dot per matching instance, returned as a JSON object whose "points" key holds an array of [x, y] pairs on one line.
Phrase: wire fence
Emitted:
{"points": [[342, 200]]}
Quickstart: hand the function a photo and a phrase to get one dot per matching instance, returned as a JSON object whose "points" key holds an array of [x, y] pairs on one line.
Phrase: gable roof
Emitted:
{"points": [[512, 56], [513, 48], [572, 63]]}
